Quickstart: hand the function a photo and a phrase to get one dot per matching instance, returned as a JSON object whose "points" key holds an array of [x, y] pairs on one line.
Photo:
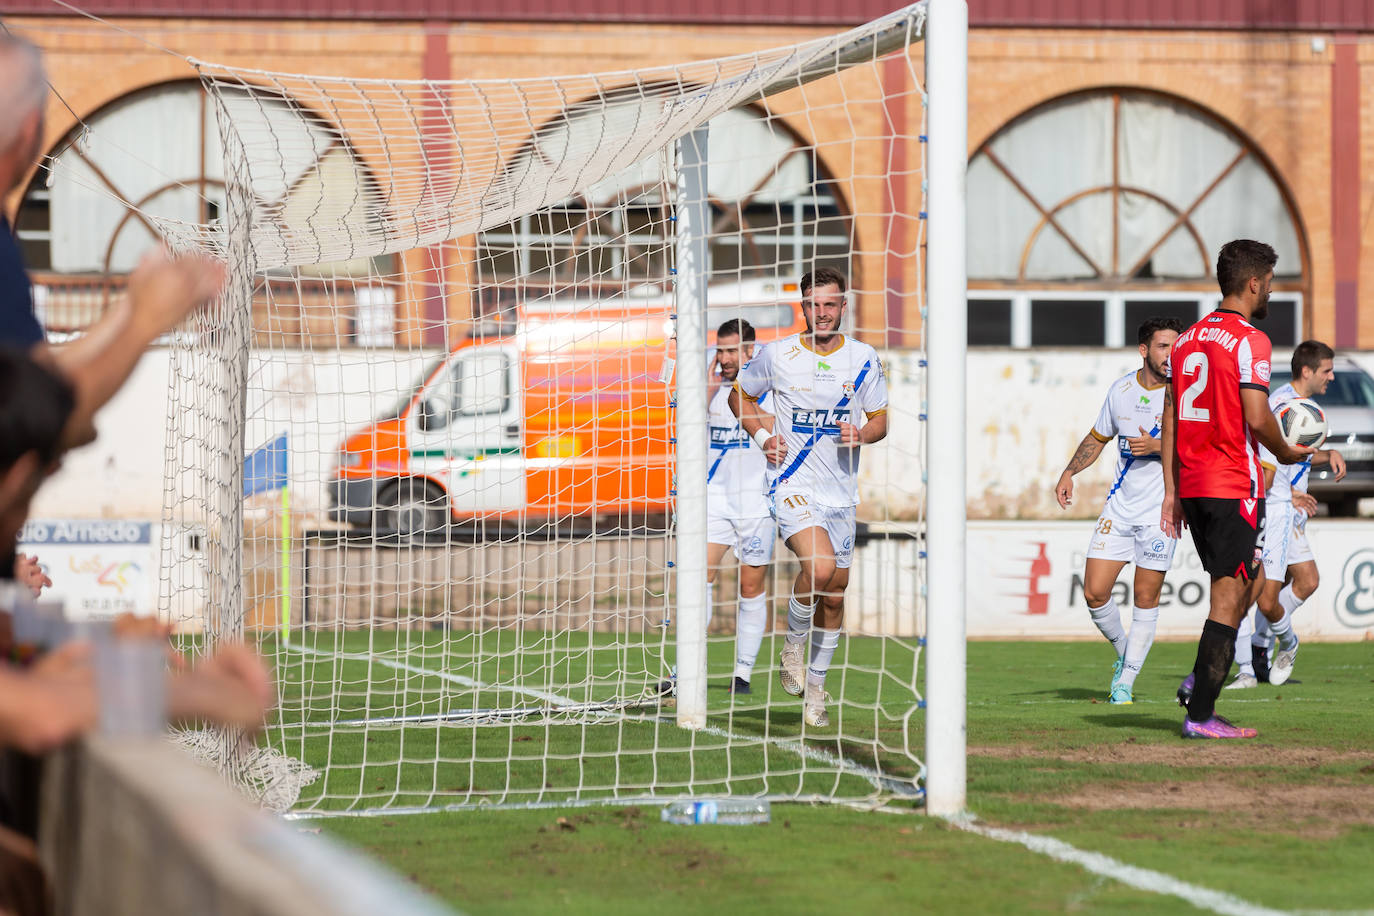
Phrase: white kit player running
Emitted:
{"points": [[1128, 529], [737, 511], [1290, 571], [823, 386]]}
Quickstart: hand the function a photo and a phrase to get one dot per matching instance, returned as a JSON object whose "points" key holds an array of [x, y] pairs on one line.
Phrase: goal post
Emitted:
{"points": [[483, 313], [947, 345]]}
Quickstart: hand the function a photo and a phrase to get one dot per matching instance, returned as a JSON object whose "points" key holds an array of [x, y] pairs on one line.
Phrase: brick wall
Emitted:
{"points": [[1275, 88]]}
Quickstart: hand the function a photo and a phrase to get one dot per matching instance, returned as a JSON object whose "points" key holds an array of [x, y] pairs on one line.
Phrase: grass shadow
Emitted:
{"points": [[1142, 720]]}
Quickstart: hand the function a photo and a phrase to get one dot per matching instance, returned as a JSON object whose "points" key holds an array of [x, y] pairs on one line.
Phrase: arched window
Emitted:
{"points": [[1092, 212], [776, 213], [155, 154]]}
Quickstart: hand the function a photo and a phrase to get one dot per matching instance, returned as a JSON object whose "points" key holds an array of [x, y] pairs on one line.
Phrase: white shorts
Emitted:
{"points": [[1146, 546], [750, 538], [1299, 548], [795, 511], [1278, 532]]}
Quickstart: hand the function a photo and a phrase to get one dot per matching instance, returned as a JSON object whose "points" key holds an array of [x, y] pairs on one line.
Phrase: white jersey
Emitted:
{"points": [[812, 394], [1137, 492], [736, 483], [1287, 477]]}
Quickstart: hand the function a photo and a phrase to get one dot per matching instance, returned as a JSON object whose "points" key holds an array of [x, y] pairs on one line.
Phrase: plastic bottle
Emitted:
{"points": [[718, 811]]}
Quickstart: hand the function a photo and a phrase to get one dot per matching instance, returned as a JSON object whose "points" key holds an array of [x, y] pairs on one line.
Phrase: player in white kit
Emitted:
{"points": [[1287, 555], [1128, 529], [830, 397], [737, 511]]}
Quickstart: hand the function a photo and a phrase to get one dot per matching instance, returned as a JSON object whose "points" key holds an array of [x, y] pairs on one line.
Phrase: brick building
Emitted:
{"points": [[1076, 225]]}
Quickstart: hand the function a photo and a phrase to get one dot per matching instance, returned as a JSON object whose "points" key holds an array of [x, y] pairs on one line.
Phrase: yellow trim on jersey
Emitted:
{"points": [[871, 414], [1138, 373], [801, 338], [745, 394], [1099, 437], [1269, 467]]}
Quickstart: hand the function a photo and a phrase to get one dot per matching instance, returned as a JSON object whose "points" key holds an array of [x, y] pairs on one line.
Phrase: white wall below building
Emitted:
{"points": [[1027, 410]]}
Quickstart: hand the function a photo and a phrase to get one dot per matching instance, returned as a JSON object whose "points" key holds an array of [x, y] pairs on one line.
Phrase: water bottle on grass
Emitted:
{"points": [[718, 811]]}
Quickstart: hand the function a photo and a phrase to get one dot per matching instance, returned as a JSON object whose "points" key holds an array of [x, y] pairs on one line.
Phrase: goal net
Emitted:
{"points": [[441, 451]]}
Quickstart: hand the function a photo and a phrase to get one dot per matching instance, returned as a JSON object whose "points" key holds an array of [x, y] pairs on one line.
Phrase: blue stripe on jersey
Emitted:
{"points": [[1126, 466], [816, 436], [1302, 469]]}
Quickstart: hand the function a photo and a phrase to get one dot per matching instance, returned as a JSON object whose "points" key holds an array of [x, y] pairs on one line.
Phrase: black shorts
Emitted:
{"points": [[1229, 534]]}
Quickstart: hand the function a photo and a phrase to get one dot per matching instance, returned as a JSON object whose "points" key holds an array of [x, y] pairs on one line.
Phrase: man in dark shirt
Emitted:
{"points": [[161, 292]]}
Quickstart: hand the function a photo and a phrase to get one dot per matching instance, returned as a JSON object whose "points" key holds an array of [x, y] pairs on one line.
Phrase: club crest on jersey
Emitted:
{"points": [[819, 422], [848, 389], [1262, 370]]}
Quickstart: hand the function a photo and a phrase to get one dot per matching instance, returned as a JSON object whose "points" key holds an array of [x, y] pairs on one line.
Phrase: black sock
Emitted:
{"points": [[1216, 649]]}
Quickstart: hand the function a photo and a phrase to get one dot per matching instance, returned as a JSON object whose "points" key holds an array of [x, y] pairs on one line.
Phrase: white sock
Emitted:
{"points": [[1143, 622], [1283, 631], [1108, 620], [710, 603], [749, 627], [1288, 599], [1244, 650], [1264, 637], [798, 620], [823, 643]]}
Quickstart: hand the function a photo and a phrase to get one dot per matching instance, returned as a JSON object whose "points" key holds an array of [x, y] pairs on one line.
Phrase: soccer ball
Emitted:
{"points": [[1302, 422]]}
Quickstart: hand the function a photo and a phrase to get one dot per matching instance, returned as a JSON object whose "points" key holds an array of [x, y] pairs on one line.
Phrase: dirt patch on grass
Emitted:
{"points": [[1183, 754], [1323, 808], [1322, 811]]}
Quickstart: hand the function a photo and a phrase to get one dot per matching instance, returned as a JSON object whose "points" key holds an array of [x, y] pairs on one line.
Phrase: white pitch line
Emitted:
{"points": [[1141, 878]]}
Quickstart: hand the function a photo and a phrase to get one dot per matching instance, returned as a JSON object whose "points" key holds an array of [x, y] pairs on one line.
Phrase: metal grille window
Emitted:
{"points": [[1126, 197]]}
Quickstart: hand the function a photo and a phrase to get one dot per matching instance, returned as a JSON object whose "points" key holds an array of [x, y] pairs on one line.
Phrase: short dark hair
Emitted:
{"points": [[1149, 326], [736, 327], [1241, 259], [1310, 353], [823, 276], [35, 403]]}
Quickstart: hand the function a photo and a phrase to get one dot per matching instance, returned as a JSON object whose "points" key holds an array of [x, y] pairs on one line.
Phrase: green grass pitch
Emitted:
{"points": [[1285, 821]]}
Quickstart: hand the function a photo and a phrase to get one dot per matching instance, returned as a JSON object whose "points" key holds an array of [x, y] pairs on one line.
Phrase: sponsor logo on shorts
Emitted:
{"points": [[1100, 545], [847, 545], [755, 544], [1158, 545], [1355, 600]]}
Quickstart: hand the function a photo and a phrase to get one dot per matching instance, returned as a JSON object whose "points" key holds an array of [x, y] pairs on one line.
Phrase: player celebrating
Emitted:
{"points": [[1128, 528], [737, 514], [820, 382], [1216, 406], [1286, 551]]}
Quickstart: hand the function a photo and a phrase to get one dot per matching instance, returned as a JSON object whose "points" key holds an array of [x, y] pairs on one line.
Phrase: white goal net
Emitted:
{"points": [[430, 452]]}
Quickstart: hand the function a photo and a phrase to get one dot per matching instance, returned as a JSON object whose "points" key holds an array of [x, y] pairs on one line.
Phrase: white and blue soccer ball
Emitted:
{"points": [[1302, 422]]}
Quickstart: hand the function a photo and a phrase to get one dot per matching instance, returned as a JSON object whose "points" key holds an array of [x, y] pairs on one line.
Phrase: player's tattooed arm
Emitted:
{"points": [[1083, 456], [1087, 453]]}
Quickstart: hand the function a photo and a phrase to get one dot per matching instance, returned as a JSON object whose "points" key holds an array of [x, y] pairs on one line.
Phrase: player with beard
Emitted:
{"points": [[1128, 529], [823, 384], [1287, 554], [1216, 407], [737, 513]]}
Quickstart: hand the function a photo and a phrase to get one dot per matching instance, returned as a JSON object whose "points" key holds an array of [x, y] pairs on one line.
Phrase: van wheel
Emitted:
{"points": [[412, 507]]}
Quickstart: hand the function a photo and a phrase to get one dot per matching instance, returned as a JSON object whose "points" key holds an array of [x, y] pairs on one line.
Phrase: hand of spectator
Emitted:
{"points": [[231, 687], [52, 702], [28, 572], [163, 291]]}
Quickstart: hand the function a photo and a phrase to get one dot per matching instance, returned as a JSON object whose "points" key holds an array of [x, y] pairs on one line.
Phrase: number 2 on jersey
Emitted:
{"points": [[1194, 364]]}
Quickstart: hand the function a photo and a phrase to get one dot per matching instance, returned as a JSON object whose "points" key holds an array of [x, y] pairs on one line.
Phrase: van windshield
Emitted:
{"points": [[1348, 389], [399, 408]]}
